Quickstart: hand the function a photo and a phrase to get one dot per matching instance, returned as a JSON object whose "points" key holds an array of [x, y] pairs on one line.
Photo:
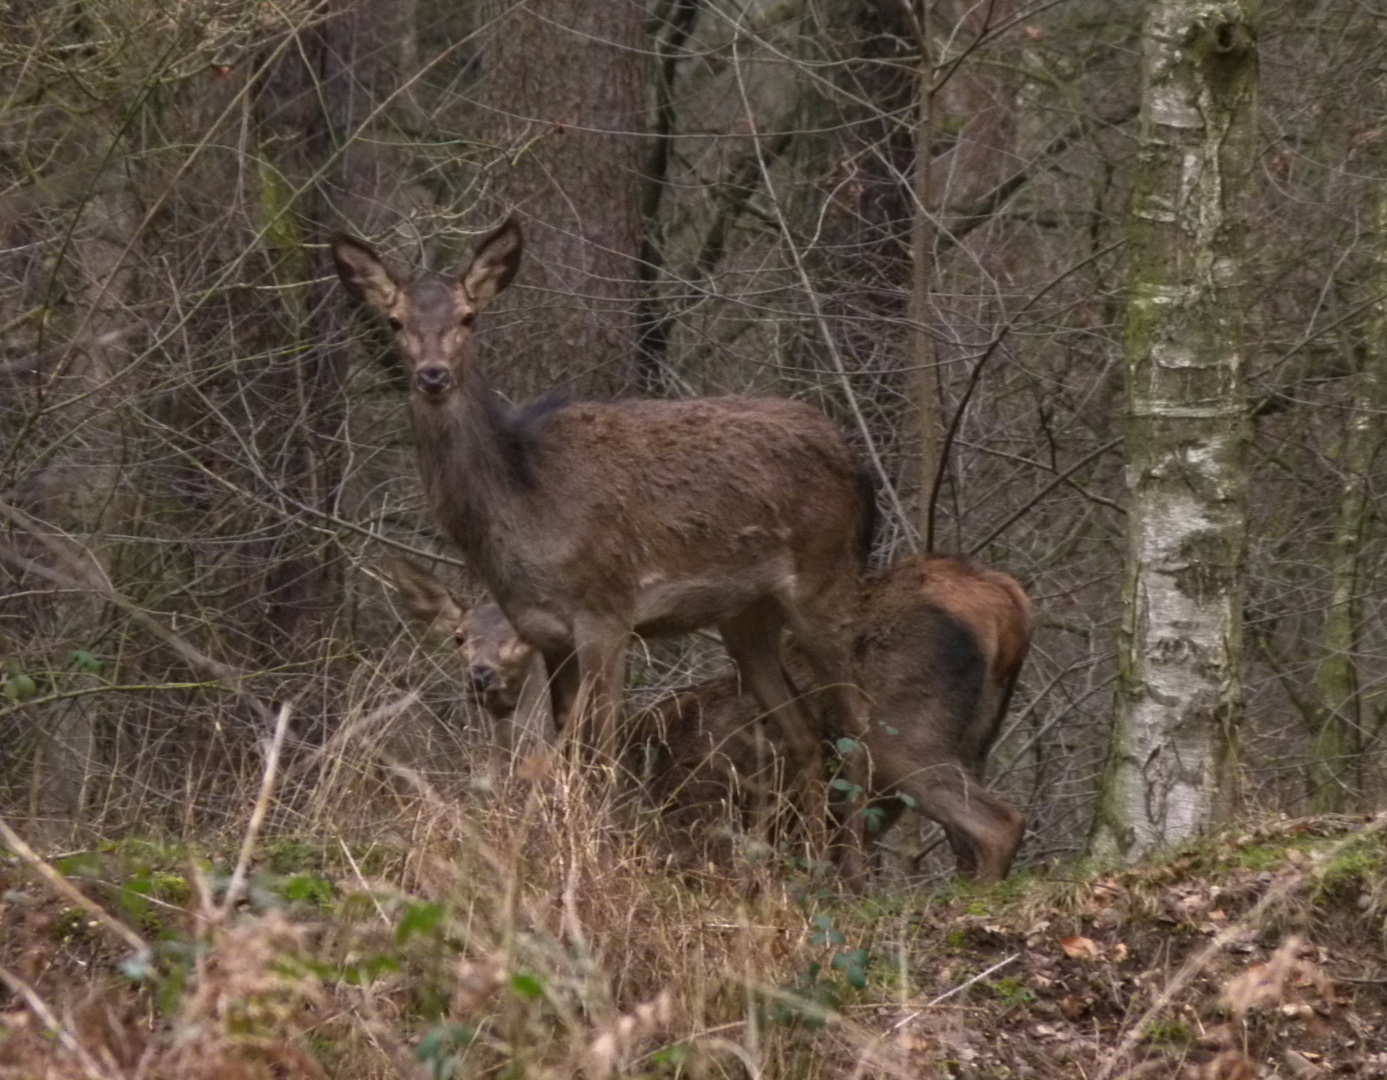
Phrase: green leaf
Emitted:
{"points": [[418, 919], [19, 687], [433, 1049], [85, 660], [675, 1055], [527, 985], [365, 971], [133, 895], [909, 800], [839, 783], [83, 864], [846, 747], [874, 817], [307, 888]]}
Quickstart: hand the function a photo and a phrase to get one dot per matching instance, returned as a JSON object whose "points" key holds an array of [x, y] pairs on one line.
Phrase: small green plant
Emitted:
{"points": [[1352, 870], [307, 889], [819, 988], [437, 1050], [1011, 992], [1167, 1031]]}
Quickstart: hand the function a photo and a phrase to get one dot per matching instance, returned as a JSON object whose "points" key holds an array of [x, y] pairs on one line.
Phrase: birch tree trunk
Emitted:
{"points": [[1172, 767]]}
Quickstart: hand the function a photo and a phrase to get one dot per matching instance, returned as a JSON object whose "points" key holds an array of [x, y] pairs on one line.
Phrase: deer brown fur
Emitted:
{"points": [[938, 645], [590, 522]]}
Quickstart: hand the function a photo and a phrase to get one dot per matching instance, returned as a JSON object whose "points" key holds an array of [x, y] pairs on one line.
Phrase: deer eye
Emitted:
{"points": [[395, 324], [467, 318]]}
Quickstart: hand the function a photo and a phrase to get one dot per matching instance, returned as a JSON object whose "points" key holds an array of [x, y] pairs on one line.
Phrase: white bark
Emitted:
{"points": [[1172, 767]]}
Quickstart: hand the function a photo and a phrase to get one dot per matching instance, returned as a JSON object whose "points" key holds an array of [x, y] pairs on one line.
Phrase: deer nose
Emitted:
{"points": [[482, 677], [433, 380]]}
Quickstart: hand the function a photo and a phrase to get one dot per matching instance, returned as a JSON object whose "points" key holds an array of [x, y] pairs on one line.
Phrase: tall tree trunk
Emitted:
{"points": [[952, 173], [1334, 777], [925, 384], [312, 106], [563, 107], [1172, 767]]}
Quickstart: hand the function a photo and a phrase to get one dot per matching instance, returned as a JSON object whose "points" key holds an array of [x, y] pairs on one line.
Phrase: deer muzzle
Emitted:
{"points": [[433, 380]]}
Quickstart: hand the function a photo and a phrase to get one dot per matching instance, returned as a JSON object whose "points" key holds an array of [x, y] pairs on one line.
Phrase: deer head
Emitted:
{"points": [[431, 318], [496, 661]]}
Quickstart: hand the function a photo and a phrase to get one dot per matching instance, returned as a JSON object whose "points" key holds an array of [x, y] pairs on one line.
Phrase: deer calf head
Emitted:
{"points": [[496, 661], [432, 317]]}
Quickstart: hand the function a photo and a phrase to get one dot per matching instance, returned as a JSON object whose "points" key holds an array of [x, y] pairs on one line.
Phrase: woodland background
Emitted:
{"points": [[204, 448]]}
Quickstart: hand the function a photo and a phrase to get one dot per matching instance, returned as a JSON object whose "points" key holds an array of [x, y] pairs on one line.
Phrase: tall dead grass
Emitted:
{"points": [[539, 921]]}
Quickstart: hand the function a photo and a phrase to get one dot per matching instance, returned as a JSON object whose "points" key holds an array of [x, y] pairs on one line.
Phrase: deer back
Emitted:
{"points": [[659, 516]]}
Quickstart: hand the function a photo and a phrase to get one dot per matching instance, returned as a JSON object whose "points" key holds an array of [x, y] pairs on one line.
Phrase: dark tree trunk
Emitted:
{"points": [[562, 116]]}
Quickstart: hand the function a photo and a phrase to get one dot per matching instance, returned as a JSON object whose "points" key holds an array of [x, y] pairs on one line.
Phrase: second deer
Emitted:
{"points": [[939, 644]]}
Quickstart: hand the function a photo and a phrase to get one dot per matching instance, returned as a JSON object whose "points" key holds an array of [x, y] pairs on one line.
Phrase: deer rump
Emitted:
{"points": [[938, 645]]}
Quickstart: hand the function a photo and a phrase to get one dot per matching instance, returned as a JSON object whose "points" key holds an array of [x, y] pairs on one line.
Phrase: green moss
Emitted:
{"points": [[1359, 866], [1260, 857], [1168, 1031], [1011, 992]]}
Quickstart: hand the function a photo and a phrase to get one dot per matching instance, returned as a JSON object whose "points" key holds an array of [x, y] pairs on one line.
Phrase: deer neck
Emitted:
{"points": [[472, 466]]}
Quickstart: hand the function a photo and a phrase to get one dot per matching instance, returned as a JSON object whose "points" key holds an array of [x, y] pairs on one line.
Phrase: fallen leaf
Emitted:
{"points": [[1229, 1065], [1080, 948]]}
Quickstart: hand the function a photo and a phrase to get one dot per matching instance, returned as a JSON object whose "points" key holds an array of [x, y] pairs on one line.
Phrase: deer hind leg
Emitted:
{"points": [[752, 639], [983, 829]]}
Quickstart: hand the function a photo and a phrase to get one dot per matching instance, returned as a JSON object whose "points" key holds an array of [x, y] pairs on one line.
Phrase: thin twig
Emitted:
{"points": [[1059, 479], [257, 817], [976, 978], [69, 891], [811, 293], [956, 990], [976, 374], [56, 1027]]}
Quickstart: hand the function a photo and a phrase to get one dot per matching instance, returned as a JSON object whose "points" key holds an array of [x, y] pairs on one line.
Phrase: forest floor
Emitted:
{"points": [[448, 953]]}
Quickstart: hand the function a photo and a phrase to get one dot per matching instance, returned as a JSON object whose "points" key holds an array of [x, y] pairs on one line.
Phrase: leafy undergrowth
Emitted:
{"points": [[568, 950]]}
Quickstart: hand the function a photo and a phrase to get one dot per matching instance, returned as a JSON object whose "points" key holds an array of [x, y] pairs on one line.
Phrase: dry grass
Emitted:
{"points": [[542, 925]]}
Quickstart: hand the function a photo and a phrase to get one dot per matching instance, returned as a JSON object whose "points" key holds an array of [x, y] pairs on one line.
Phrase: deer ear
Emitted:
{"points": [[363, 274], [494, 265], [424, 596]]}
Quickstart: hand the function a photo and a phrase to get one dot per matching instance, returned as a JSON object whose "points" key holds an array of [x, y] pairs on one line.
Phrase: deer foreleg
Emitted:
{"points": [[601, 653]]}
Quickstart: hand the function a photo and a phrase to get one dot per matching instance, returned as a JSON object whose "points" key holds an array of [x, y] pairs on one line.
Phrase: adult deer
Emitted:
{"points": [[592, 521], [939, 643]]}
